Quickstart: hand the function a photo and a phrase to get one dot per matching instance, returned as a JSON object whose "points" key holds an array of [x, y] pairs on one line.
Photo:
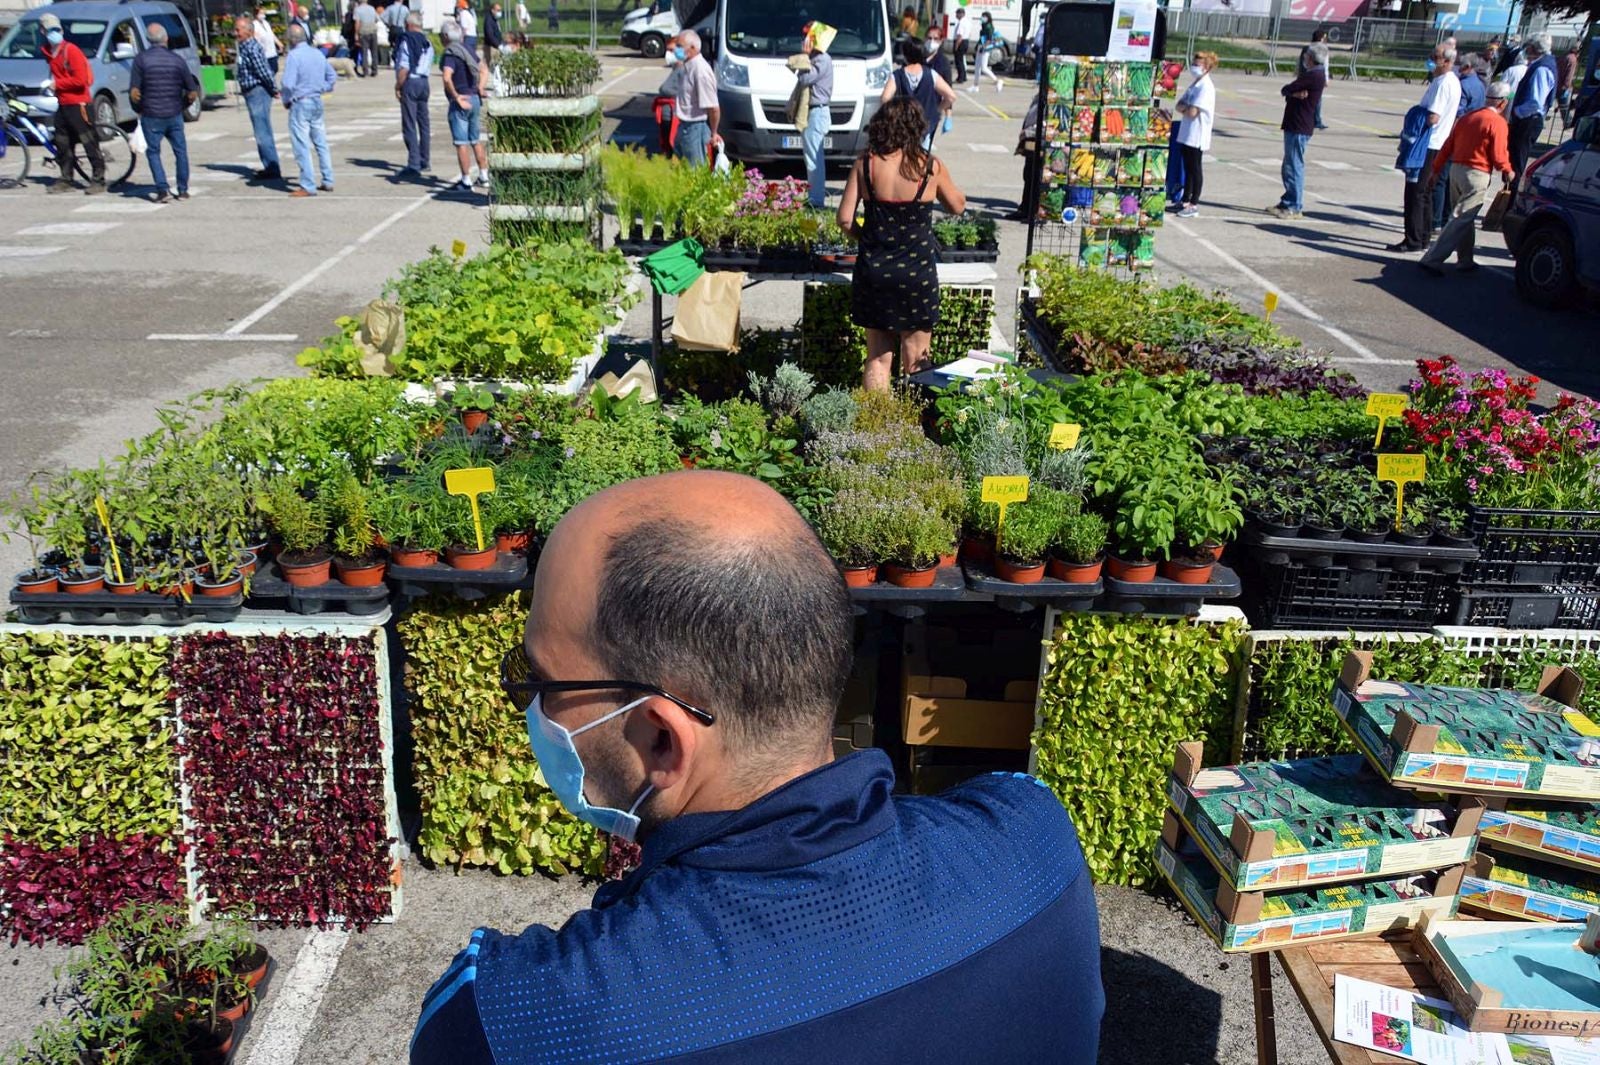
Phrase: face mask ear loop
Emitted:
{"points": [[643, 795]]}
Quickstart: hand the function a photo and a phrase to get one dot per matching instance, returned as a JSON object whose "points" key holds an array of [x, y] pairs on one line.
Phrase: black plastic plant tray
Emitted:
{"points": [[1278, 550], [948, 587], [268, 590], [1046, 591], [1519, 608], [983, 253], [1042, 337], [109, 608], [1166, 596], [760, 260], [1535, 547], [509, 573], [1339, 597]]}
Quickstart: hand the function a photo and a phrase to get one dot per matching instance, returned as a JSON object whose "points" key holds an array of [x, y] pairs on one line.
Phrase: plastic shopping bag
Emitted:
{"points": [[136, 140]]}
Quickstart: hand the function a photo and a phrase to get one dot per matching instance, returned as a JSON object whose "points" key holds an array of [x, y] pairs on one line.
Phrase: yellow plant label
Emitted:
{"points": [[1402, 468], [1064, 435], [1005, 490], [105, 523], [1270, 303], [471, 482], [1387, 404], [458, 248], [1581, 723]]}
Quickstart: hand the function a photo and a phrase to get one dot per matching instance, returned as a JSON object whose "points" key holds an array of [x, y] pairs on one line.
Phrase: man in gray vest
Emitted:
{"points": [[1532, 100], [413, 58]]}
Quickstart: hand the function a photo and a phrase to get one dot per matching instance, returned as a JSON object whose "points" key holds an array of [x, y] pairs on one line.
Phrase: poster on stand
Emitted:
{"points": [[1133, 31]]}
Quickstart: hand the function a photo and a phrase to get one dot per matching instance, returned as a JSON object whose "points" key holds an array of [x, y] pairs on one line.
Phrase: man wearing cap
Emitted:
{"points": [[788, 906], [1475, 149], [69, 70], [468, 21], [162, 85], [817, 77]]}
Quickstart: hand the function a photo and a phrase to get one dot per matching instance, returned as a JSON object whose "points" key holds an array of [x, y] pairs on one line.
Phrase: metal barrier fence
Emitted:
{"points": [[1358, 47]]}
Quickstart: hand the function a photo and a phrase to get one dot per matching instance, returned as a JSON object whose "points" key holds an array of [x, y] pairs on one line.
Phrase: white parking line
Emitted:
{"points": [[216, 175], [117, 207], [26, 251], [1332, 164], [297, 1000], [993, 149], [1266, 161], [208, 135], [386, 113], [67, 229]]}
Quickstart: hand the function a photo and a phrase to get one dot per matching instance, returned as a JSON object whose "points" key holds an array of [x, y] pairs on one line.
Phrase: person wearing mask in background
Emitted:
{"points": [[465, 81], [71, 78], [467, 19], [413, 57], [366, 17], [1300, 99], [1440, 100], [493, 37], [988, 42], [306, 76], [257, 88], [960, 34], [1529, 101], [160, 86], [696, 102], [922, 84], [267, 39], [1566, 79], [937, 62], [300, 16], [1319, 36], [1198, 106], [1474, 151], [908, 23], [894, 292], [817, 79], [1473, 87]]}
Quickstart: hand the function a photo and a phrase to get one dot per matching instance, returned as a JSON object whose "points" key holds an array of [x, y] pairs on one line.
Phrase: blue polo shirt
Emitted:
{"points": [[828, 921]]}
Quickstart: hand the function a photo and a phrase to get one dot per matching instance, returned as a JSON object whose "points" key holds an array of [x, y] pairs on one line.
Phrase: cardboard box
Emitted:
{"points": [[1528, 888], [1313, 821], [1564, 834], [1272, 920], [1482, 741], [969, 687]]}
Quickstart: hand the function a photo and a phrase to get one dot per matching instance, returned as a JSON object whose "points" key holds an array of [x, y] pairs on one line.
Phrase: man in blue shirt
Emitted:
{"points": [[161, 85], [1470, 68], [258, 88], [413, 55], [1531, 101], [306, 76], [787, 908]]}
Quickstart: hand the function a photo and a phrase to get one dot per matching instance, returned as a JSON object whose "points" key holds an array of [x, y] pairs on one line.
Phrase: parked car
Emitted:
{"points": [[650, 28], [1553, 226], [111, 35]]}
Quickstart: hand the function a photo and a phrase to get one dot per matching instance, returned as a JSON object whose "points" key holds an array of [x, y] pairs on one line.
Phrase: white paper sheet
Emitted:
{"points": [[1133, 31], [1409, 1025]]}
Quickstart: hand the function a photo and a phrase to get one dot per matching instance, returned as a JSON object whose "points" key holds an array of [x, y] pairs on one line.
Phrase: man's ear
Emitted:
{"points": [[668, 741]]}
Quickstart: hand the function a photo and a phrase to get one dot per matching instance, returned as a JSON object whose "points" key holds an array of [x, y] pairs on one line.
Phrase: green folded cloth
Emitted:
{"points": [[674, 268]]}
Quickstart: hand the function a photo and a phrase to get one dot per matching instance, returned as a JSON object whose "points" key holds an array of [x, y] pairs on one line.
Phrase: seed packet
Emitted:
{"points": [[1094, 251], [1167, 74], [1051, 203], [1160, 125], [1106, 208], [1130, 168], [1114, 125], [1141, 249], [1058, 122], [1063, 77], [1114, 83], [1105, 168], [1091, 84], [1082, 166], [1141, 82], [1079, 196], [1116, 251], [1055, 164], [1083, 124], [1138, 119], [1153, 207], [1155, 167]]}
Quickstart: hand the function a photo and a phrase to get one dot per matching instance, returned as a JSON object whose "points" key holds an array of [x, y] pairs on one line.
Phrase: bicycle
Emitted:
{"points": [[17, 128]]}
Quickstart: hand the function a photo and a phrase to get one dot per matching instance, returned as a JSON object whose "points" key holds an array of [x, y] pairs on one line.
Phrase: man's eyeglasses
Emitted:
{"points": [[520, 682]]}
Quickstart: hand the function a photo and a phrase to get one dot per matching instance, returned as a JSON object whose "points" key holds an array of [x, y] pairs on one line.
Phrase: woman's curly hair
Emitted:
{"points": [[900, 126]]}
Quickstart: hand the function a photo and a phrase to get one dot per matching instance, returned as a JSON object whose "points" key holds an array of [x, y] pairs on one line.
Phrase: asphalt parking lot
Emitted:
{"points": [[114, 305]]}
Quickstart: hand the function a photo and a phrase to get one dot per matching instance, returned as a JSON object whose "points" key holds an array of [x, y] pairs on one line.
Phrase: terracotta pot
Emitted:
{"points": [[305, 569], [37, 584], [217, 591], [1186, 571], [248, 563], [859, 576], [686, 461], [1215, 549], [472, 420], [253, 966], [88, 582], [462, 557], [979, 551], [263, 550], [511, 542], [412, 556], [236, 1011], [354, 576], [182, 590], [906, 577], [946, 561], [1017, 572], [1075, 572], [1136, 571], [133, 587]]}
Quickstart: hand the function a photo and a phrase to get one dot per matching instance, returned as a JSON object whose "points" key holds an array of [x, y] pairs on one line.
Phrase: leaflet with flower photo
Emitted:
{"points": [[1409, 1025]]}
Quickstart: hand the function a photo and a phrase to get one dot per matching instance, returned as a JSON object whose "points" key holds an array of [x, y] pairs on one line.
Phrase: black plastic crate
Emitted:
{"points": [[1535, 547], [1520, 608], [1338, 597]]}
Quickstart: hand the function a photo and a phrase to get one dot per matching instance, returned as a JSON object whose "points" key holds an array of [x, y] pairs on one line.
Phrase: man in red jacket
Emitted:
{"points": [[1474, 151], [73, 80]]}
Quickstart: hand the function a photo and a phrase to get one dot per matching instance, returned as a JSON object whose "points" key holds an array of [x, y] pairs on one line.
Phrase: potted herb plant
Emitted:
{"points": [[1144, 528], [357, 561], [410, 514], [223, 576], [852, 527], [1080, 548], [918, 539], [461, 539], [302, 527], [1026, 535], [473, 403], [26, 518]]}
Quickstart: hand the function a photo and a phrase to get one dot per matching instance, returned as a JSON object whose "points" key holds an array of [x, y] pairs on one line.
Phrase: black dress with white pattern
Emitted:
{"points": [[896, 281]]}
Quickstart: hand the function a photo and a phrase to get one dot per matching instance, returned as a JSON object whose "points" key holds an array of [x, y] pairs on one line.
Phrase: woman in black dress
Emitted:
{"points": [[895, 297]]}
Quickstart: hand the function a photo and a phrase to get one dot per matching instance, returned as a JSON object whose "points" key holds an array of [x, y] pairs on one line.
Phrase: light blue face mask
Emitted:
{"points": [[563, 771], [679, 54], [53, 36]]}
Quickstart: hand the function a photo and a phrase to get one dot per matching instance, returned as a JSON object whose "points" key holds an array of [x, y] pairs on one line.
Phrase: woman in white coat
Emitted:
{"points": [[1197, 107]]}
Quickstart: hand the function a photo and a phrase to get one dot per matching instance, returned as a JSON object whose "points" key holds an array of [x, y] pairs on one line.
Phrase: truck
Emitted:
{"points": [[749, 43], [648, 29]]}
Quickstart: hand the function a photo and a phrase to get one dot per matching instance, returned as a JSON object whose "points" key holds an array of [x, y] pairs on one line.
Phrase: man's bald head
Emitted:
{"points": [[712, 587]]}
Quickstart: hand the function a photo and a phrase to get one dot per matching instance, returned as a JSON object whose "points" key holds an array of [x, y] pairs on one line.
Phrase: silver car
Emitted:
{"points": [[111, 35]]}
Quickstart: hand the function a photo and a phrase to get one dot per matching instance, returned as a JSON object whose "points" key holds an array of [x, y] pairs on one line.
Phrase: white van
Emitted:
{"points": [[648, 29], [751, 41]]}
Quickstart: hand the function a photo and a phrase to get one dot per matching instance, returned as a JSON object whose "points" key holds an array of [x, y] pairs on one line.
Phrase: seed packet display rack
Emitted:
{"points": [[1101, 130]]}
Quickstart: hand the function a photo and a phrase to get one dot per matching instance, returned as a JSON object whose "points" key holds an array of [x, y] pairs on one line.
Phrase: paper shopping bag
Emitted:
{"points": [[1497, 211], [707, 318]]}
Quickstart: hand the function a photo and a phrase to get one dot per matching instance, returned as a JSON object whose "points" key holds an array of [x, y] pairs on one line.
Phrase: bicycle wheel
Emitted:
{"points": [[114, 148], [14, 158]]}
